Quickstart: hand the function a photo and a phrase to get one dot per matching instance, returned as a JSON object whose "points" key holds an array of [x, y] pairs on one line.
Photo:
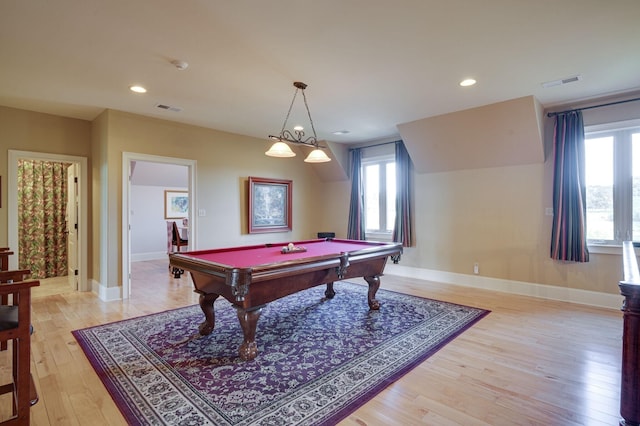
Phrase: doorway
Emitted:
{"points": [[77, 249], [152, 209]]}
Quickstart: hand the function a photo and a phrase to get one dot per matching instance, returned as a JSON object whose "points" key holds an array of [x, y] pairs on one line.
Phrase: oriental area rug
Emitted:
{"points": [[318, 359]]}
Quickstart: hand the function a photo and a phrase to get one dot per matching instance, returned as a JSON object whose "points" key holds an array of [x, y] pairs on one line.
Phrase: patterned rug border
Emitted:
{"points": [[345, 411], [122, 399]]}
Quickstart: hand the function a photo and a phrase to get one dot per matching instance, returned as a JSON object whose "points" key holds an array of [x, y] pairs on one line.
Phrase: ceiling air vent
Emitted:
{"points": [[168, 107], [562, 81]]}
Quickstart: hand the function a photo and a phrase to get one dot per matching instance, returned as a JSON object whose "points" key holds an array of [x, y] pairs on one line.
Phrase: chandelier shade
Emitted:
{"points": [[317, 156], [297, 136], [280, 150]]}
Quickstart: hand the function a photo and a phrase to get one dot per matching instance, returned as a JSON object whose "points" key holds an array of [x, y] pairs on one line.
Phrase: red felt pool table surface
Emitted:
{"points": [[268, 254]]}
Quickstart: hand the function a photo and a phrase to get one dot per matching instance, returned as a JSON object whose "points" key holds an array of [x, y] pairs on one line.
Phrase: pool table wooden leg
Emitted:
{"points": [[206, 304], [329, 292], [374, 284], [248, 321], [177, 272]]}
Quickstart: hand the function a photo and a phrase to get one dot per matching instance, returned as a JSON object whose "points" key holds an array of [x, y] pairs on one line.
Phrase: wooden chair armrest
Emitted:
{"points": [[18, 287], [14, 275]]}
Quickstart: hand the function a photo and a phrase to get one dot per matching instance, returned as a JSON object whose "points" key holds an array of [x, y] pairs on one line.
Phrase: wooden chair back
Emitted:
{"points": [[177, 239], [12, 276], [15, 326], [4, 258]]}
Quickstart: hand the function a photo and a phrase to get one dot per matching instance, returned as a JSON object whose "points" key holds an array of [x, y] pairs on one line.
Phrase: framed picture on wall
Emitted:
{"points": [[269, 205], [176, 204]]}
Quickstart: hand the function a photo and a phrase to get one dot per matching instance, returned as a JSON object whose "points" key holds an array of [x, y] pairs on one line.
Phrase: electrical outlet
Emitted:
{"points": [[476, 268]]}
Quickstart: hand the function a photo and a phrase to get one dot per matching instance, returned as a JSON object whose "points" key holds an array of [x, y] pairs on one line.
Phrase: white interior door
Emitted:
{"points": [[72, 225]]}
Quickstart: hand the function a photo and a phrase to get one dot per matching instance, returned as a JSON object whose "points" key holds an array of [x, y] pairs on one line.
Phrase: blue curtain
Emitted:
{"points": [[402, 227], [568, 236], [356, 227]]}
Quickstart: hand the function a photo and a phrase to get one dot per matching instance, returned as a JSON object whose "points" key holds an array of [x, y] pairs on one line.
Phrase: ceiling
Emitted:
{"points": [[369, 64], [147, 173]]}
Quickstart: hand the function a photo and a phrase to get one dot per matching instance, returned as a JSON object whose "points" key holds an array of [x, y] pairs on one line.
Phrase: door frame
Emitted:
{"points": [[127, 159], [71, 217], [12, 214]]}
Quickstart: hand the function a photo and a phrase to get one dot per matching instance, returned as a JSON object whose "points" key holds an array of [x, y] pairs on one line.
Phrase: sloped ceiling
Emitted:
{"points": [[502, 134]]}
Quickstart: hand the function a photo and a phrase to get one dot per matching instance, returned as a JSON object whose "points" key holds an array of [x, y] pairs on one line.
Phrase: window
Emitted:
{"points": [[612, 165], [379, 178]]}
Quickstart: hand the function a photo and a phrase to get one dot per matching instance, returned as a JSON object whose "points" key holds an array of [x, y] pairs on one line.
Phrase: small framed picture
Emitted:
{"points": [[176, 204], [269, 205]]}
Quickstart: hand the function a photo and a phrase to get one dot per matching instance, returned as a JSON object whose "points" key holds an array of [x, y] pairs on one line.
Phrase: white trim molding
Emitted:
{"points": [[106, 294], [563, 294], [158, 255], [126, 257]]}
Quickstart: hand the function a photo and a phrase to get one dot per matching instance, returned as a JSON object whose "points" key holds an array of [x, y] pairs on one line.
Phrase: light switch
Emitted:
{"points": [[202, 212]]}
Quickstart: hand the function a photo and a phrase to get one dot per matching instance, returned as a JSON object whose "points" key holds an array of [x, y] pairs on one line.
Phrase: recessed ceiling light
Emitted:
{"points": [[138, 89], [467, 82], [340, 132]]}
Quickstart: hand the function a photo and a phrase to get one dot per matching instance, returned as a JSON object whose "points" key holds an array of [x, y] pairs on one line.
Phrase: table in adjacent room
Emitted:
{"points": [[251, 276]]}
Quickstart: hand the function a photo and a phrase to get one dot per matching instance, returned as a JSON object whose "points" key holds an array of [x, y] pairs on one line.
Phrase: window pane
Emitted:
{"points": [[635, 201], [372, 197], [599, 181], [391, 196]]}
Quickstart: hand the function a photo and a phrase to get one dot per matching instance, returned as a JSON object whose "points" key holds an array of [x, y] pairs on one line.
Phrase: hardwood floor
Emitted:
{"points": [[529, 362]]}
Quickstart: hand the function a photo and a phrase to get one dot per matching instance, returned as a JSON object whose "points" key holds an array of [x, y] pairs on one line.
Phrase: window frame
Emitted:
{"points": [[382, 161], [621, 132]]}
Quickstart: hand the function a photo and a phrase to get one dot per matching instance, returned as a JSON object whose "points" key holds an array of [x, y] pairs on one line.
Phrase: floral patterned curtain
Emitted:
{"points": [[42, 205]]}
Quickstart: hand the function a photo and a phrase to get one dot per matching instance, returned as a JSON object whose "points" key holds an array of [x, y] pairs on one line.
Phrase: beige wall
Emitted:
{"points": [[224, 163], [31, 131], [99, 171], [502, 134], [494, 216]]}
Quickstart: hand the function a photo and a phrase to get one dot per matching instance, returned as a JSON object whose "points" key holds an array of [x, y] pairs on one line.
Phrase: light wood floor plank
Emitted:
{"points": [[529, 362]]}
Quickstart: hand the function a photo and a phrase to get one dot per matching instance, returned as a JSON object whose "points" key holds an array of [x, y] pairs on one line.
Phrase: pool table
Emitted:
{"points": [[250, 277]]}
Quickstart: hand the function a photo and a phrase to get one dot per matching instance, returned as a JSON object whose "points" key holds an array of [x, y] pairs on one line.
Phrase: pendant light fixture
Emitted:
{"points": [[281, 148]]}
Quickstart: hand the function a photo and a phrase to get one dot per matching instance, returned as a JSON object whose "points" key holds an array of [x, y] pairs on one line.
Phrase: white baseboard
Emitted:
{"points": [[139, 257], [106, 294], [563, 294]]}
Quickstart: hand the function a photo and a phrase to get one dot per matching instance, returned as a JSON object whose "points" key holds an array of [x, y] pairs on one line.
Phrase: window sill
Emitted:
{"points": [[605, 249], [379, 236]]}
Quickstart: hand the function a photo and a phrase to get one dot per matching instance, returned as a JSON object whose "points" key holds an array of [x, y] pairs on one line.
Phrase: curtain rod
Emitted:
{"points": [[377, 144], [553, 114]]}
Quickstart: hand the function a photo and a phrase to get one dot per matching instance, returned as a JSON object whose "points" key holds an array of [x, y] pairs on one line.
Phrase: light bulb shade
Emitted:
{"points": [[317, 156], [280, 149]]}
